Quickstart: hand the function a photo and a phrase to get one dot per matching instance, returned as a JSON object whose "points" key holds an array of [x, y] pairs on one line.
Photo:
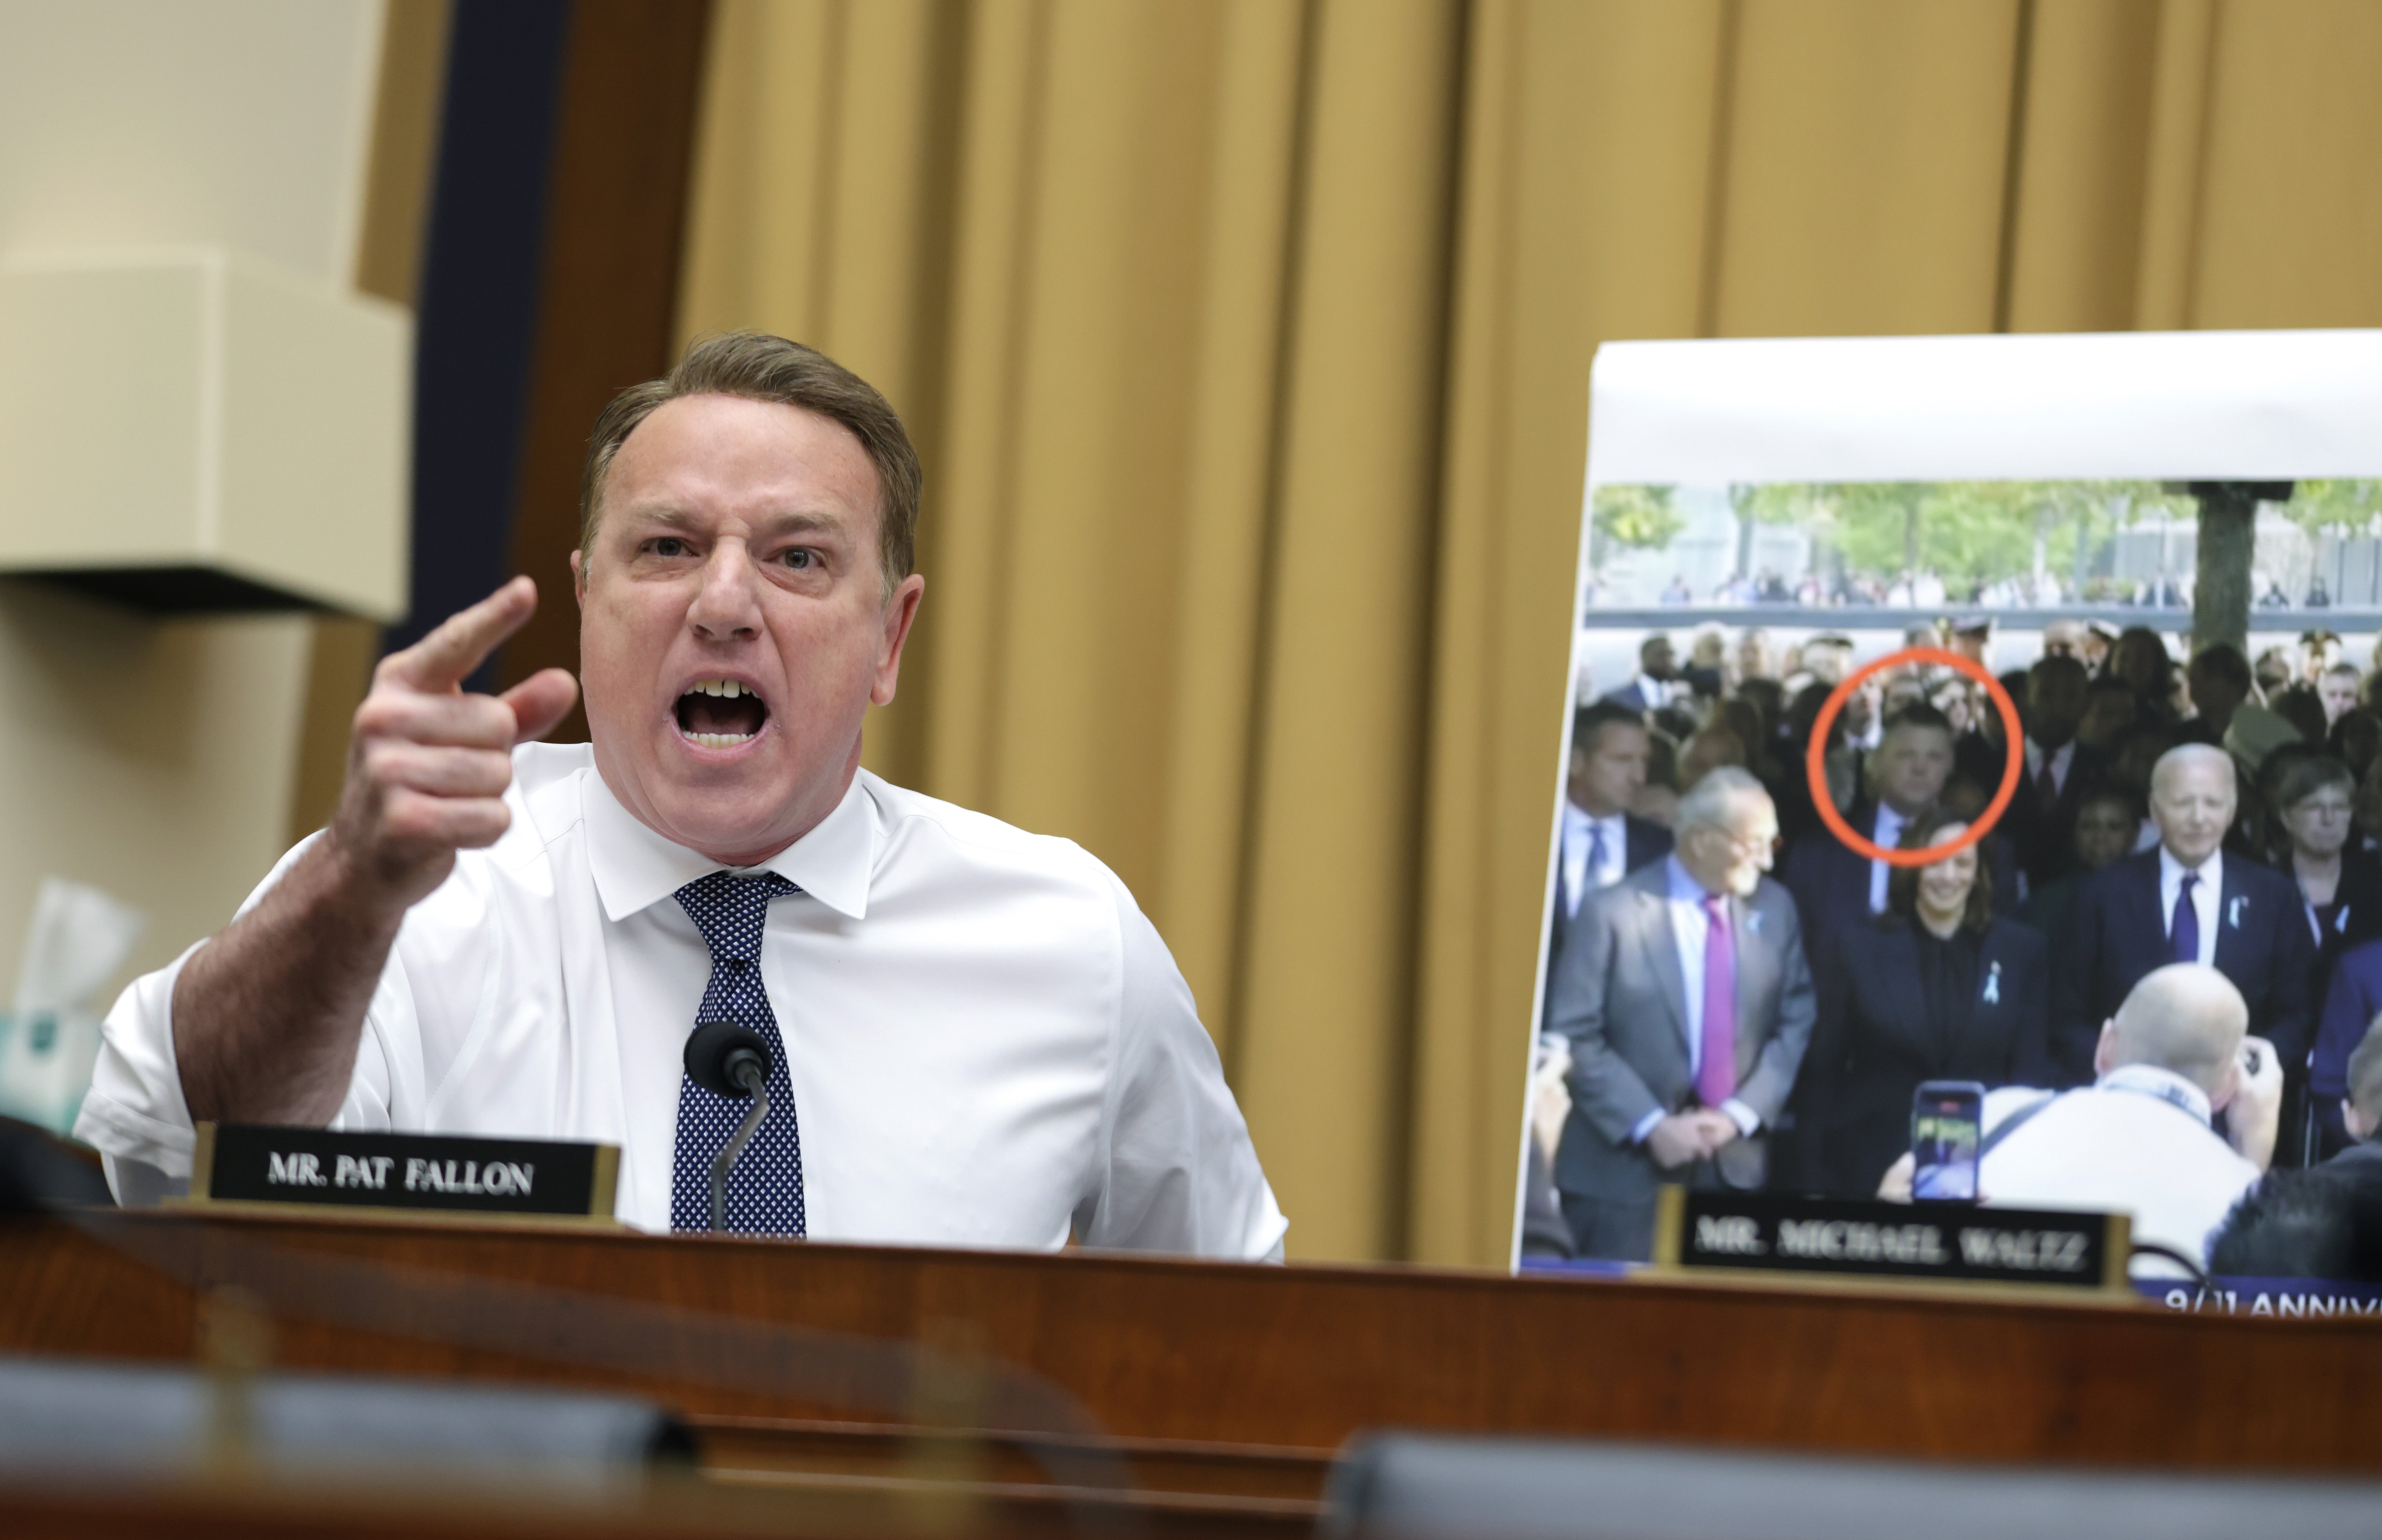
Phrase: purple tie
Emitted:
{"points": [[2184, 934], [1716, 1075]]}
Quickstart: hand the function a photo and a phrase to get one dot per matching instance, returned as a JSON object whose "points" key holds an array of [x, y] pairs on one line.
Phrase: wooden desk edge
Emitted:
{"points": [[1832, 1290]]}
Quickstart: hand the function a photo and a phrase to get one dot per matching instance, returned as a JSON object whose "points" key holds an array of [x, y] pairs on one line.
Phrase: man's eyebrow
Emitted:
{"points": [[795, 521]]}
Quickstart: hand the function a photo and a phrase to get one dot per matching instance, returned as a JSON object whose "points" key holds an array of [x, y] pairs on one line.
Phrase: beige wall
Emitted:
{"points": [[156, 759]]}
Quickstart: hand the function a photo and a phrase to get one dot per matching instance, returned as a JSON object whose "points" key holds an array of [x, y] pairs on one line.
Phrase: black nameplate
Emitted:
{"points": [[256, 1163], [1701, 1231]]}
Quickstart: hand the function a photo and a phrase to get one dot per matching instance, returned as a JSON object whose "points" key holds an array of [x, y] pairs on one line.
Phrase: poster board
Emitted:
{"points": [[1786, 428]]}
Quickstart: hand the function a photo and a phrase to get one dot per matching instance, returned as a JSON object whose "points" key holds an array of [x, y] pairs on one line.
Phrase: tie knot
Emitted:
{"points": [[2190, 880], [729, 910]]}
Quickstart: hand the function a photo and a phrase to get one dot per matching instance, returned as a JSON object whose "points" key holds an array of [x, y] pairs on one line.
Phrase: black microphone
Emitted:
{"points": [[732, 1062]]}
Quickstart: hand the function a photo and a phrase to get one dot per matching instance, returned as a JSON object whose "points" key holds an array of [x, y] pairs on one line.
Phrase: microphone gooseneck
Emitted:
{"points": [[732, 1062]]}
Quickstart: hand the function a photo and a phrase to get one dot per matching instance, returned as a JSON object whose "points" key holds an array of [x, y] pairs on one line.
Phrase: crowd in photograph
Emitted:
{"points": [[2163, 959], [1920, 589], [1923, 588]]}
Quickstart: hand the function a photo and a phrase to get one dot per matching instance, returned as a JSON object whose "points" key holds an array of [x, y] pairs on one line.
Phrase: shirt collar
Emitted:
{"points": [[2210, 871], [635, 867], [1685, 889], [2149, 1080]]}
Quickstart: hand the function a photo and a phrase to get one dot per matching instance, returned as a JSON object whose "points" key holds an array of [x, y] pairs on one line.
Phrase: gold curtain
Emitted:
{"points": [[1246, 342]]}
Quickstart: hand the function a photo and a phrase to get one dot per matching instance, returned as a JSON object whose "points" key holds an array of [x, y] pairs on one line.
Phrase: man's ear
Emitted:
{"points": [[2360, 1127], [899, 611], [2228, 1085], [2105, 1052], [579, 579]]}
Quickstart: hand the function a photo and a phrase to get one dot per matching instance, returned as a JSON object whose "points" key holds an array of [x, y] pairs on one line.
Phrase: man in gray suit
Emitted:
{"points": [[1683, 994]]}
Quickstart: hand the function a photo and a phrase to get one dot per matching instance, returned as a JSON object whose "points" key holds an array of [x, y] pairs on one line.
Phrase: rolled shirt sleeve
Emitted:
{"points": [[135, 1112], [1178, 1170]]}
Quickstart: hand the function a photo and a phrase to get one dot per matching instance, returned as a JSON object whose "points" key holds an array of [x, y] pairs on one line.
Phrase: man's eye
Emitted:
{"points": [[799, 558], [669, 545]]}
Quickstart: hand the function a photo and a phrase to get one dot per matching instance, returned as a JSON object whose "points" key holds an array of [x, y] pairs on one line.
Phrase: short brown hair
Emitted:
{"points": [[757, 366], [1902, 882], [2305, 779]]}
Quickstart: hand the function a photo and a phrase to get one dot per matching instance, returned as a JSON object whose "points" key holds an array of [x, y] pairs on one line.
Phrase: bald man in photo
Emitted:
{"points": [[2190, 901], [2142, 1139]]}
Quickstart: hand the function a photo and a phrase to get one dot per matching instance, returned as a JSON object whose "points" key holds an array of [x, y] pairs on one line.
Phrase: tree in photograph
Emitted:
{"points": [[1639, 517], [1970, 533], [1874, 528], [2317, 505]]}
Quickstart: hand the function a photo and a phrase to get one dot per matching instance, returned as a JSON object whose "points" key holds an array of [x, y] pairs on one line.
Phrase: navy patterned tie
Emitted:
{"points": [[764, 1193]]}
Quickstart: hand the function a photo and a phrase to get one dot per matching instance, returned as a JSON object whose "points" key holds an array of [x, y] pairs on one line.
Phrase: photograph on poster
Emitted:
{"points": [[1971, 782]]}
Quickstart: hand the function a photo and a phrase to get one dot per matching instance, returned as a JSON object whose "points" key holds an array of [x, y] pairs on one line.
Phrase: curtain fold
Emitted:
{"points": [[1247, 343]]}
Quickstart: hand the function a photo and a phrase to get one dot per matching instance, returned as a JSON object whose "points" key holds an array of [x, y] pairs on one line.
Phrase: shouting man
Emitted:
{"points": [[975, 1038]]}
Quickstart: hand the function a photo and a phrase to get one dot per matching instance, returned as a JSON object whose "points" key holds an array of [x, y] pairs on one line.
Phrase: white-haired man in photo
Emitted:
{"points": [[2187, 900], [1686, 1002]]}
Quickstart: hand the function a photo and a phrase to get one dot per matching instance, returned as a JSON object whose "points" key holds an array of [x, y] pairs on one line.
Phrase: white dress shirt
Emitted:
{"points": [[988, 1043], [1888, 835], [1690, 921], [2137, 1142], [2205, 897], [1581, 876], [1656, 693]]}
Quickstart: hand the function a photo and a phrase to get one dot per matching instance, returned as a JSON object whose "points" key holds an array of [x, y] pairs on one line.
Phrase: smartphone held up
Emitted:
{"points": [[1947, 1119]]}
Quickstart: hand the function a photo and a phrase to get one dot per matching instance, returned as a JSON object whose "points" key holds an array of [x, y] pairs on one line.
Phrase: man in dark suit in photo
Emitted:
{"points": [[1658, 683], [1602, 841], [2221, 683], [1686, 1005], [2185, 901], [2060, 769], [1834, 885]]}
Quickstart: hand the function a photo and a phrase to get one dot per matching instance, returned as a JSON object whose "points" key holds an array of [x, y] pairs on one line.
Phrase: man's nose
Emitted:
{"points": [[728, 605]]}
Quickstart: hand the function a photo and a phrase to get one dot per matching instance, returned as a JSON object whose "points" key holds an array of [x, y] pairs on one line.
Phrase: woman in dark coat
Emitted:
{"points": [[2339, 884], [1935, 988]]}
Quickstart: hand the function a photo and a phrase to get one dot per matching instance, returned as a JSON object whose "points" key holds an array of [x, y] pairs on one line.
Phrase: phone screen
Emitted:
{"points": [[1945, 1125]]}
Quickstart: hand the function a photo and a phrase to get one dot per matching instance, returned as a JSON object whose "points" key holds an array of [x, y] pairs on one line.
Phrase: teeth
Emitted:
{"points": [[716, 740], [727, 689]]}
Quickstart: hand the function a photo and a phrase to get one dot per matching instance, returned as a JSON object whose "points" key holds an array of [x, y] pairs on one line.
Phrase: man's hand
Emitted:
{"points": [[1551, 1099], [1677, 1140], [428, 765], [267, 1015], [2254, 1114], [1718, 1127], [1895, 1186]]}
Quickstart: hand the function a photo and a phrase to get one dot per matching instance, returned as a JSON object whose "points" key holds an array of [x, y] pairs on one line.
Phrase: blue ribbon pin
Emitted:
{"points": [[1994, 985]]}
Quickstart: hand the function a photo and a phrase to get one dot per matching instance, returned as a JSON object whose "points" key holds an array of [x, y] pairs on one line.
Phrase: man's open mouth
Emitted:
{"points": [[720, 714]]}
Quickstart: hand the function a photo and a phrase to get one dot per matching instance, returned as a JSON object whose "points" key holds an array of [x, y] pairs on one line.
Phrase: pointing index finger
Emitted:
{"points": [[463, 641]]}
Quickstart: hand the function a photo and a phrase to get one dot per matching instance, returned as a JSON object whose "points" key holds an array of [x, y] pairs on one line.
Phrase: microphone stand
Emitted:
{"points": [[749, 1072]]}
